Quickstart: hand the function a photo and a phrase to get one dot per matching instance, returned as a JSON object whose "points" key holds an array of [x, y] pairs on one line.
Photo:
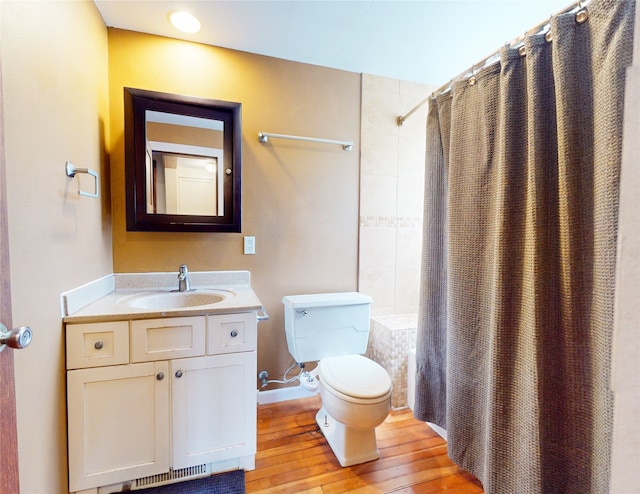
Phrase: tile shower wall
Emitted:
{"points": [[391, 203], [391, 193], [390, 340]]}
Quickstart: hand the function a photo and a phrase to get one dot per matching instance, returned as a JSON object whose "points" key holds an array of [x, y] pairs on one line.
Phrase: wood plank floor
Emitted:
{"points": [[293, 457]]}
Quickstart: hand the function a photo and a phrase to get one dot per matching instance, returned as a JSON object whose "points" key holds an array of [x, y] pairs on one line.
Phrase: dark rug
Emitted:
{"points": [[222, 483]]}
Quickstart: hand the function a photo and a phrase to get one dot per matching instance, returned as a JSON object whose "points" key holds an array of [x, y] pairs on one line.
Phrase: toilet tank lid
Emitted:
{"points": [[325, 299]]}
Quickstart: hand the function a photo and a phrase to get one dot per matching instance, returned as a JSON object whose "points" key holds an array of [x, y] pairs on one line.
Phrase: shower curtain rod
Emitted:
{"points": [[578, 7]]}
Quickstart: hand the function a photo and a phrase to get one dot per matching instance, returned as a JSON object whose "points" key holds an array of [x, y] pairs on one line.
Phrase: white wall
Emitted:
{"points": [[625, 474]]}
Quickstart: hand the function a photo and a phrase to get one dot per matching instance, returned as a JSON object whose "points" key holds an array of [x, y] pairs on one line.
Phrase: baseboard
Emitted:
{"points": [[283, 394]]}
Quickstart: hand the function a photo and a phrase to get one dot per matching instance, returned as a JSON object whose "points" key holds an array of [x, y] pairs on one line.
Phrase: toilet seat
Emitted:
{"points": [[355, 378]]}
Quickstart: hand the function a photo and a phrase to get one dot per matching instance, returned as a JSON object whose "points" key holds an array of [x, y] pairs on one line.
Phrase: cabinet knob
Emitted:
{"points": [[160, 376], [98, 345], [178, 374], [234, 333]]}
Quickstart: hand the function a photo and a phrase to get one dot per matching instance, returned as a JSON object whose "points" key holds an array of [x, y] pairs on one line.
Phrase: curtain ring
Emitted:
{"points": [[522, 51], [583, 14], [472, 79], [548, 37]]}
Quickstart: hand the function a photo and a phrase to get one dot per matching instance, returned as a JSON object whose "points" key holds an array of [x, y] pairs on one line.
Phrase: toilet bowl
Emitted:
{"points": [[333, 330], [356, 398]]}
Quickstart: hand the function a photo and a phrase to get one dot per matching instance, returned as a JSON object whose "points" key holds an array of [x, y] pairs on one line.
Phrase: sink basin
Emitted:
{"points": [[175, 300]]}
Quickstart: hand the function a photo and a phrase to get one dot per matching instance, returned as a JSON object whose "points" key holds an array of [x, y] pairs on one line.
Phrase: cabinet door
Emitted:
{"points": [[118, 423], [213, 408]]}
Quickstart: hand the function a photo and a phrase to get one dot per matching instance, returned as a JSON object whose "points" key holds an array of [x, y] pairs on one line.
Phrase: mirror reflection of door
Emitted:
{"points": [[185, 165], [184, 184]]}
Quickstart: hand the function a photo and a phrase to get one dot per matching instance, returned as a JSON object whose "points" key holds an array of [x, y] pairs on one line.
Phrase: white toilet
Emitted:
{"points": [[333, 328]]}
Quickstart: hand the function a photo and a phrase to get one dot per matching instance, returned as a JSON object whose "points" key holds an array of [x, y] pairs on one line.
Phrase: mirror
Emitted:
{"points": [[182, 163]]}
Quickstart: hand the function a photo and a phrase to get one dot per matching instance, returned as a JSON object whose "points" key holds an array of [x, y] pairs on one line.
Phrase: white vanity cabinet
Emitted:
{"points": [[156, 397]]}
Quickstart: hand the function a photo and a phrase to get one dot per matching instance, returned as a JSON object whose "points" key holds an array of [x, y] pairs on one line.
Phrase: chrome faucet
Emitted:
{"points": [[183, 279]]}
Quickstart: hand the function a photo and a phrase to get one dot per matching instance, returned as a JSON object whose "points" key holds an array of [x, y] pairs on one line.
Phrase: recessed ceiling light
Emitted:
{"points": [[184, 22]]}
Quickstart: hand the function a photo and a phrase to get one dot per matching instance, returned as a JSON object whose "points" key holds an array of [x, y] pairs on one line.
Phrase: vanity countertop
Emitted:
{"points": [[104, 300]]}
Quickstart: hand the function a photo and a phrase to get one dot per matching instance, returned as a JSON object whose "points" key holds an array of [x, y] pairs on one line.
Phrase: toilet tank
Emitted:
{"points": [[326, 324]]}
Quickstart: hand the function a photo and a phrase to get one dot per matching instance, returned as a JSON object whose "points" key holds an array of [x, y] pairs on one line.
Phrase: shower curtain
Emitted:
{"points": [[520, 225]]}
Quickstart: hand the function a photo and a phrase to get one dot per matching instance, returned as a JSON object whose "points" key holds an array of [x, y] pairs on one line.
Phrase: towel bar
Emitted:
{"points": [[263, 137]]}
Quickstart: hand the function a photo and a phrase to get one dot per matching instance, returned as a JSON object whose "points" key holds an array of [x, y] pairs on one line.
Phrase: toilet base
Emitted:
{"points": [[351, 446]]}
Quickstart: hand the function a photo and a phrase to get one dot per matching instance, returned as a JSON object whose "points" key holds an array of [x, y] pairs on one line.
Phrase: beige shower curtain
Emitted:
{"points": [[521, 204]]}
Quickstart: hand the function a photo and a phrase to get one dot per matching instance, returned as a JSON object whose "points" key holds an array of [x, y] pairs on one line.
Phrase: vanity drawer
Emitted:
{"points": [[230, 333], [97, 344], [170, 338]]}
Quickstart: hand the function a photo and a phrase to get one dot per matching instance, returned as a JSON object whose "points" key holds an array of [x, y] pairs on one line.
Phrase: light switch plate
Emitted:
{"points": [[249, 245]]}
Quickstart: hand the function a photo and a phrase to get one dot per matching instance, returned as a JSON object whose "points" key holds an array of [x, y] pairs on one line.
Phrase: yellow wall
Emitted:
{"points": [[300, 200], [54, 61]]}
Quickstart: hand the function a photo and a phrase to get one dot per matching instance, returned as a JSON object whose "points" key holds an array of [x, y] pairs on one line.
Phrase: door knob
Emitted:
{"points": [[15, 338]]}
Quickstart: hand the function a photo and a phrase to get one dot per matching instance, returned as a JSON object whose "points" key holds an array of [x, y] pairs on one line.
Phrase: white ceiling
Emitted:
{"points": [[427, 41]]}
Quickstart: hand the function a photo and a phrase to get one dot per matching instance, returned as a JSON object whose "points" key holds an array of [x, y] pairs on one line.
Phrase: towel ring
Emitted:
{"points": [[71, 171]]}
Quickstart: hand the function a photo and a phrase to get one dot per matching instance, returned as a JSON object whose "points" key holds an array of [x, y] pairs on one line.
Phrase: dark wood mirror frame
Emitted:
{"points": [[136, 104]]}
